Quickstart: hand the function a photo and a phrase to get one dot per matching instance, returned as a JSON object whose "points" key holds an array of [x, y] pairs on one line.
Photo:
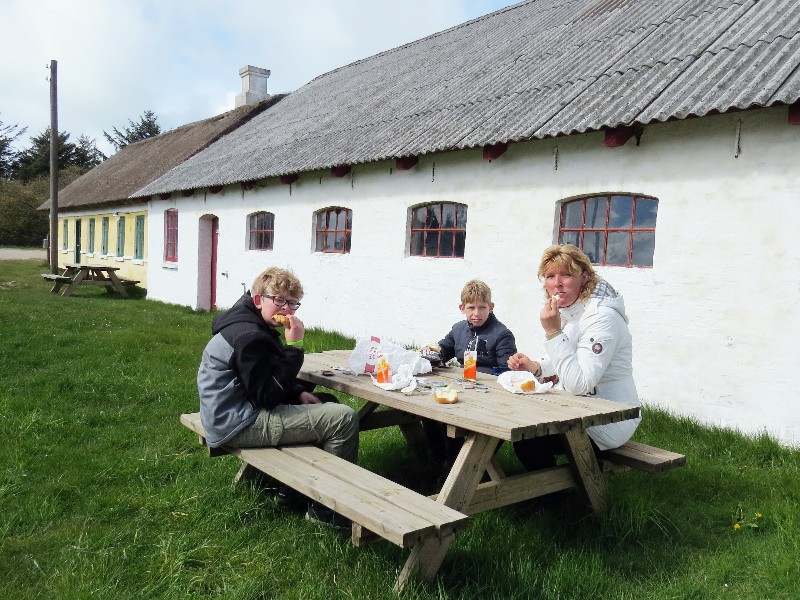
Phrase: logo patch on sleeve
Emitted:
{"points": [[597, 347]]}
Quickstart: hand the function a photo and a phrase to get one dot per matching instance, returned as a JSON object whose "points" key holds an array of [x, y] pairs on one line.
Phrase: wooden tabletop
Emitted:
{"points": [[98, 267], [496, 412]]}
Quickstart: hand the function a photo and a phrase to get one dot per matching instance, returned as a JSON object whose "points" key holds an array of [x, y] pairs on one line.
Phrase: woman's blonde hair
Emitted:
{"points": [[275, 280], [572, 260]]}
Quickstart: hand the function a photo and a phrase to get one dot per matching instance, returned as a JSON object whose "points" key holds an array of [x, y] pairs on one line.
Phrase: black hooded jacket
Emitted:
{"points": [[245, 367]]}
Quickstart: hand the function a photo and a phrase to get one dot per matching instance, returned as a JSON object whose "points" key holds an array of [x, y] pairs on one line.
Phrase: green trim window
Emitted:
{"points": [[91, 236], [65, 236], [121, 237], [617, 229], [138, 244], [104, 237]]}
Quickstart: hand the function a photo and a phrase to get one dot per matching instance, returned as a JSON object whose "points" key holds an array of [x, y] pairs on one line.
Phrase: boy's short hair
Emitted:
{"points": [[476, 291], [275, 280]]}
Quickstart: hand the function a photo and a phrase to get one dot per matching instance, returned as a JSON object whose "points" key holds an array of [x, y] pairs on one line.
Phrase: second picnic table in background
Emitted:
{"points": [[74, 275]]}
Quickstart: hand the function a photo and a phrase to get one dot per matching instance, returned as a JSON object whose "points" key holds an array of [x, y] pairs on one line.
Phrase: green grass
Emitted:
{"points": [[103, 494]]}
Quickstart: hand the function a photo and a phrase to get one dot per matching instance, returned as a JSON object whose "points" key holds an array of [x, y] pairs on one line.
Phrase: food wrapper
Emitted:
{"points": [[511, 381], [370, 350], [401, 380]]}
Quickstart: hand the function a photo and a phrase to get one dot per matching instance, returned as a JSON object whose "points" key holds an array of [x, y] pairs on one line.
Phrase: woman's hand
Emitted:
{"points": [[550, 317], [520, 362]]}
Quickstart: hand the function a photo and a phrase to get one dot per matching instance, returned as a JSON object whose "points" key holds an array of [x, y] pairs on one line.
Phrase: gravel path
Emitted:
{"points": [[18, 253]]}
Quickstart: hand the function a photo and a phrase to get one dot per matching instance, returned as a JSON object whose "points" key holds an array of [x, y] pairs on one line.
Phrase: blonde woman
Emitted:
{"points": [[588, 348]]}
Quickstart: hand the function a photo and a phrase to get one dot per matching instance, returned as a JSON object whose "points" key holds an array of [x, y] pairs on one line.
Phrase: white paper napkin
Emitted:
{"points": [[511, 380]]}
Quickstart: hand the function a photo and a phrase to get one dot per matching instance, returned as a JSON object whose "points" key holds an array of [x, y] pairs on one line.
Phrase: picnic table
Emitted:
{"points": [[74, 275], [379, 508], [484, 419]]}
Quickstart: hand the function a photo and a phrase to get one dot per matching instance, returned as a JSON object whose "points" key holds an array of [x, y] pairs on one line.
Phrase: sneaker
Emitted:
{"points": [[289, 497], [322, 514]]}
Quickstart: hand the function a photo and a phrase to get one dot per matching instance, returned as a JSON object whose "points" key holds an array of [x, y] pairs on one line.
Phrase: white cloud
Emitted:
{"points": [[180, 58]]}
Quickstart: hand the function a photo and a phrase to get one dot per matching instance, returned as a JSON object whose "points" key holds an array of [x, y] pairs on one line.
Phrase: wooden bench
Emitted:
{"points": [[635, 455], [128, 281], [374, 504], [56, 278]]}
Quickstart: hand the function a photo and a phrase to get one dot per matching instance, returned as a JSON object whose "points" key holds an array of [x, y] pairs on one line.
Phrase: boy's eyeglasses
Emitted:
{"points": [[280, 301]]}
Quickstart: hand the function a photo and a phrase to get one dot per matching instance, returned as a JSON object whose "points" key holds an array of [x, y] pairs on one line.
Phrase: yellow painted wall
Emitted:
{"points": [[129, 266]]}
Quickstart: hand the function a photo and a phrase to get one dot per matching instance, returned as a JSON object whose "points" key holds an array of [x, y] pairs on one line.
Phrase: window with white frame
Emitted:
{"points": [[612, 229], [438, 230], [260, 231], [334, 228], [171, 235], [65, 236]]}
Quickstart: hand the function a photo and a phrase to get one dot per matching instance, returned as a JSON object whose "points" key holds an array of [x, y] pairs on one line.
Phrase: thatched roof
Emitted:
{"points": [[538, 69], [115, 179]]}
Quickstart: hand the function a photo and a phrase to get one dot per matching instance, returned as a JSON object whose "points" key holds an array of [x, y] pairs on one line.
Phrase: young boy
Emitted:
{"points": [[482, 331], [249, 391]]}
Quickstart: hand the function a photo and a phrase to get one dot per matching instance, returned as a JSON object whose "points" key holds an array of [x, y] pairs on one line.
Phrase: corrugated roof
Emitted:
{"points": [[538, 69], [115, 179]]}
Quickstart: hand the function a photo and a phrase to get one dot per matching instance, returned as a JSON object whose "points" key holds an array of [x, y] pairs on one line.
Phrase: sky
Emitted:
{"points": [[181, 58]]}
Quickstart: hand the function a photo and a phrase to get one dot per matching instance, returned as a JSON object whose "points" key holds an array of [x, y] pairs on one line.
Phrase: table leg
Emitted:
{"points": [[586, 470], [426, 557], [117, 284], [79, 276]]}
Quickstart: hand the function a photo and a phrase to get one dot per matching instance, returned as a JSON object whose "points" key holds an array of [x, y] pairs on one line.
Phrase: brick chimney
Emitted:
{"points": [[254, 85]]}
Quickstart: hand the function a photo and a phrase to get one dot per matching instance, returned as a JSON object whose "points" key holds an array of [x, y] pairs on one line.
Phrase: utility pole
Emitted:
{"points": [[53, 166]]}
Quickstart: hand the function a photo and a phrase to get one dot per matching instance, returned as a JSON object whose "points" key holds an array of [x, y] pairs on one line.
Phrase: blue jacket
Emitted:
{"points": [[494, 342]]}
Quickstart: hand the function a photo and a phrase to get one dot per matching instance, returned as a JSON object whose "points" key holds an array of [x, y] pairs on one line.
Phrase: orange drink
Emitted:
{"points": [[382, 370], [470, 364]]}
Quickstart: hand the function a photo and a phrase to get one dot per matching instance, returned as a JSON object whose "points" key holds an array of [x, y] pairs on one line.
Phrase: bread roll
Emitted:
{"points": [[527, 386], [282, 320], [445, 395]]}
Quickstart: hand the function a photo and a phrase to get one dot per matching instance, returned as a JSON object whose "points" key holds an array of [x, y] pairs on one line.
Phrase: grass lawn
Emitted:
{"points": [[103, 494]]}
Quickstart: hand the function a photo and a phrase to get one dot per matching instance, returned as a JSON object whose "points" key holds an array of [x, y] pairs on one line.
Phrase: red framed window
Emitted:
{"points": [[260, 231], [438, 230], [171, 235], [616, 229], [334, 228]]}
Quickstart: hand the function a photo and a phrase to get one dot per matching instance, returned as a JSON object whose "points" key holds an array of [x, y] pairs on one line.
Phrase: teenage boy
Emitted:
{"points": [[483, 332], [247, 381]]}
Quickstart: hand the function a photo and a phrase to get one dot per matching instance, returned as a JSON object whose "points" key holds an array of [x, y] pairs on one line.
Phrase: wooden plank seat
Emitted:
{"points": [[56, 278], [374, 504], [636, 455], [124, 281]]}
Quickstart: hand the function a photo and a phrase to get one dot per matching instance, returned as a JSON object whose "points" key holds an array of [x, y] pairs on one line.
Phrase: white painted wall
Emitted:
{"points": [[716, 323]]}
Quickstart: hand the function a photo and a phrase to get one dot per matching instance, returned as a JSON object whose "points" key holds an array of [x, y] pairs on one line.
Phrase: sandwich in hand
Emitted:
{"points": [[282, 320]]}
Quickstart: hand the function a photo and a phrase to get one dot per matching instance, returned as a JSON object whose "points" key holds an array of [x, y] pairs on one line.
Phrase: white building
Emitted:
{"points": [[513, 120]]}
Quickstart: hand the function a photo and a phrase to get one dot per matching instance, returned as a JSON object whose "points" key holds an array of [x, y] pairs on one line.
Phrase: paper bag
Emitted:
{"points": [[370, 349]]}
